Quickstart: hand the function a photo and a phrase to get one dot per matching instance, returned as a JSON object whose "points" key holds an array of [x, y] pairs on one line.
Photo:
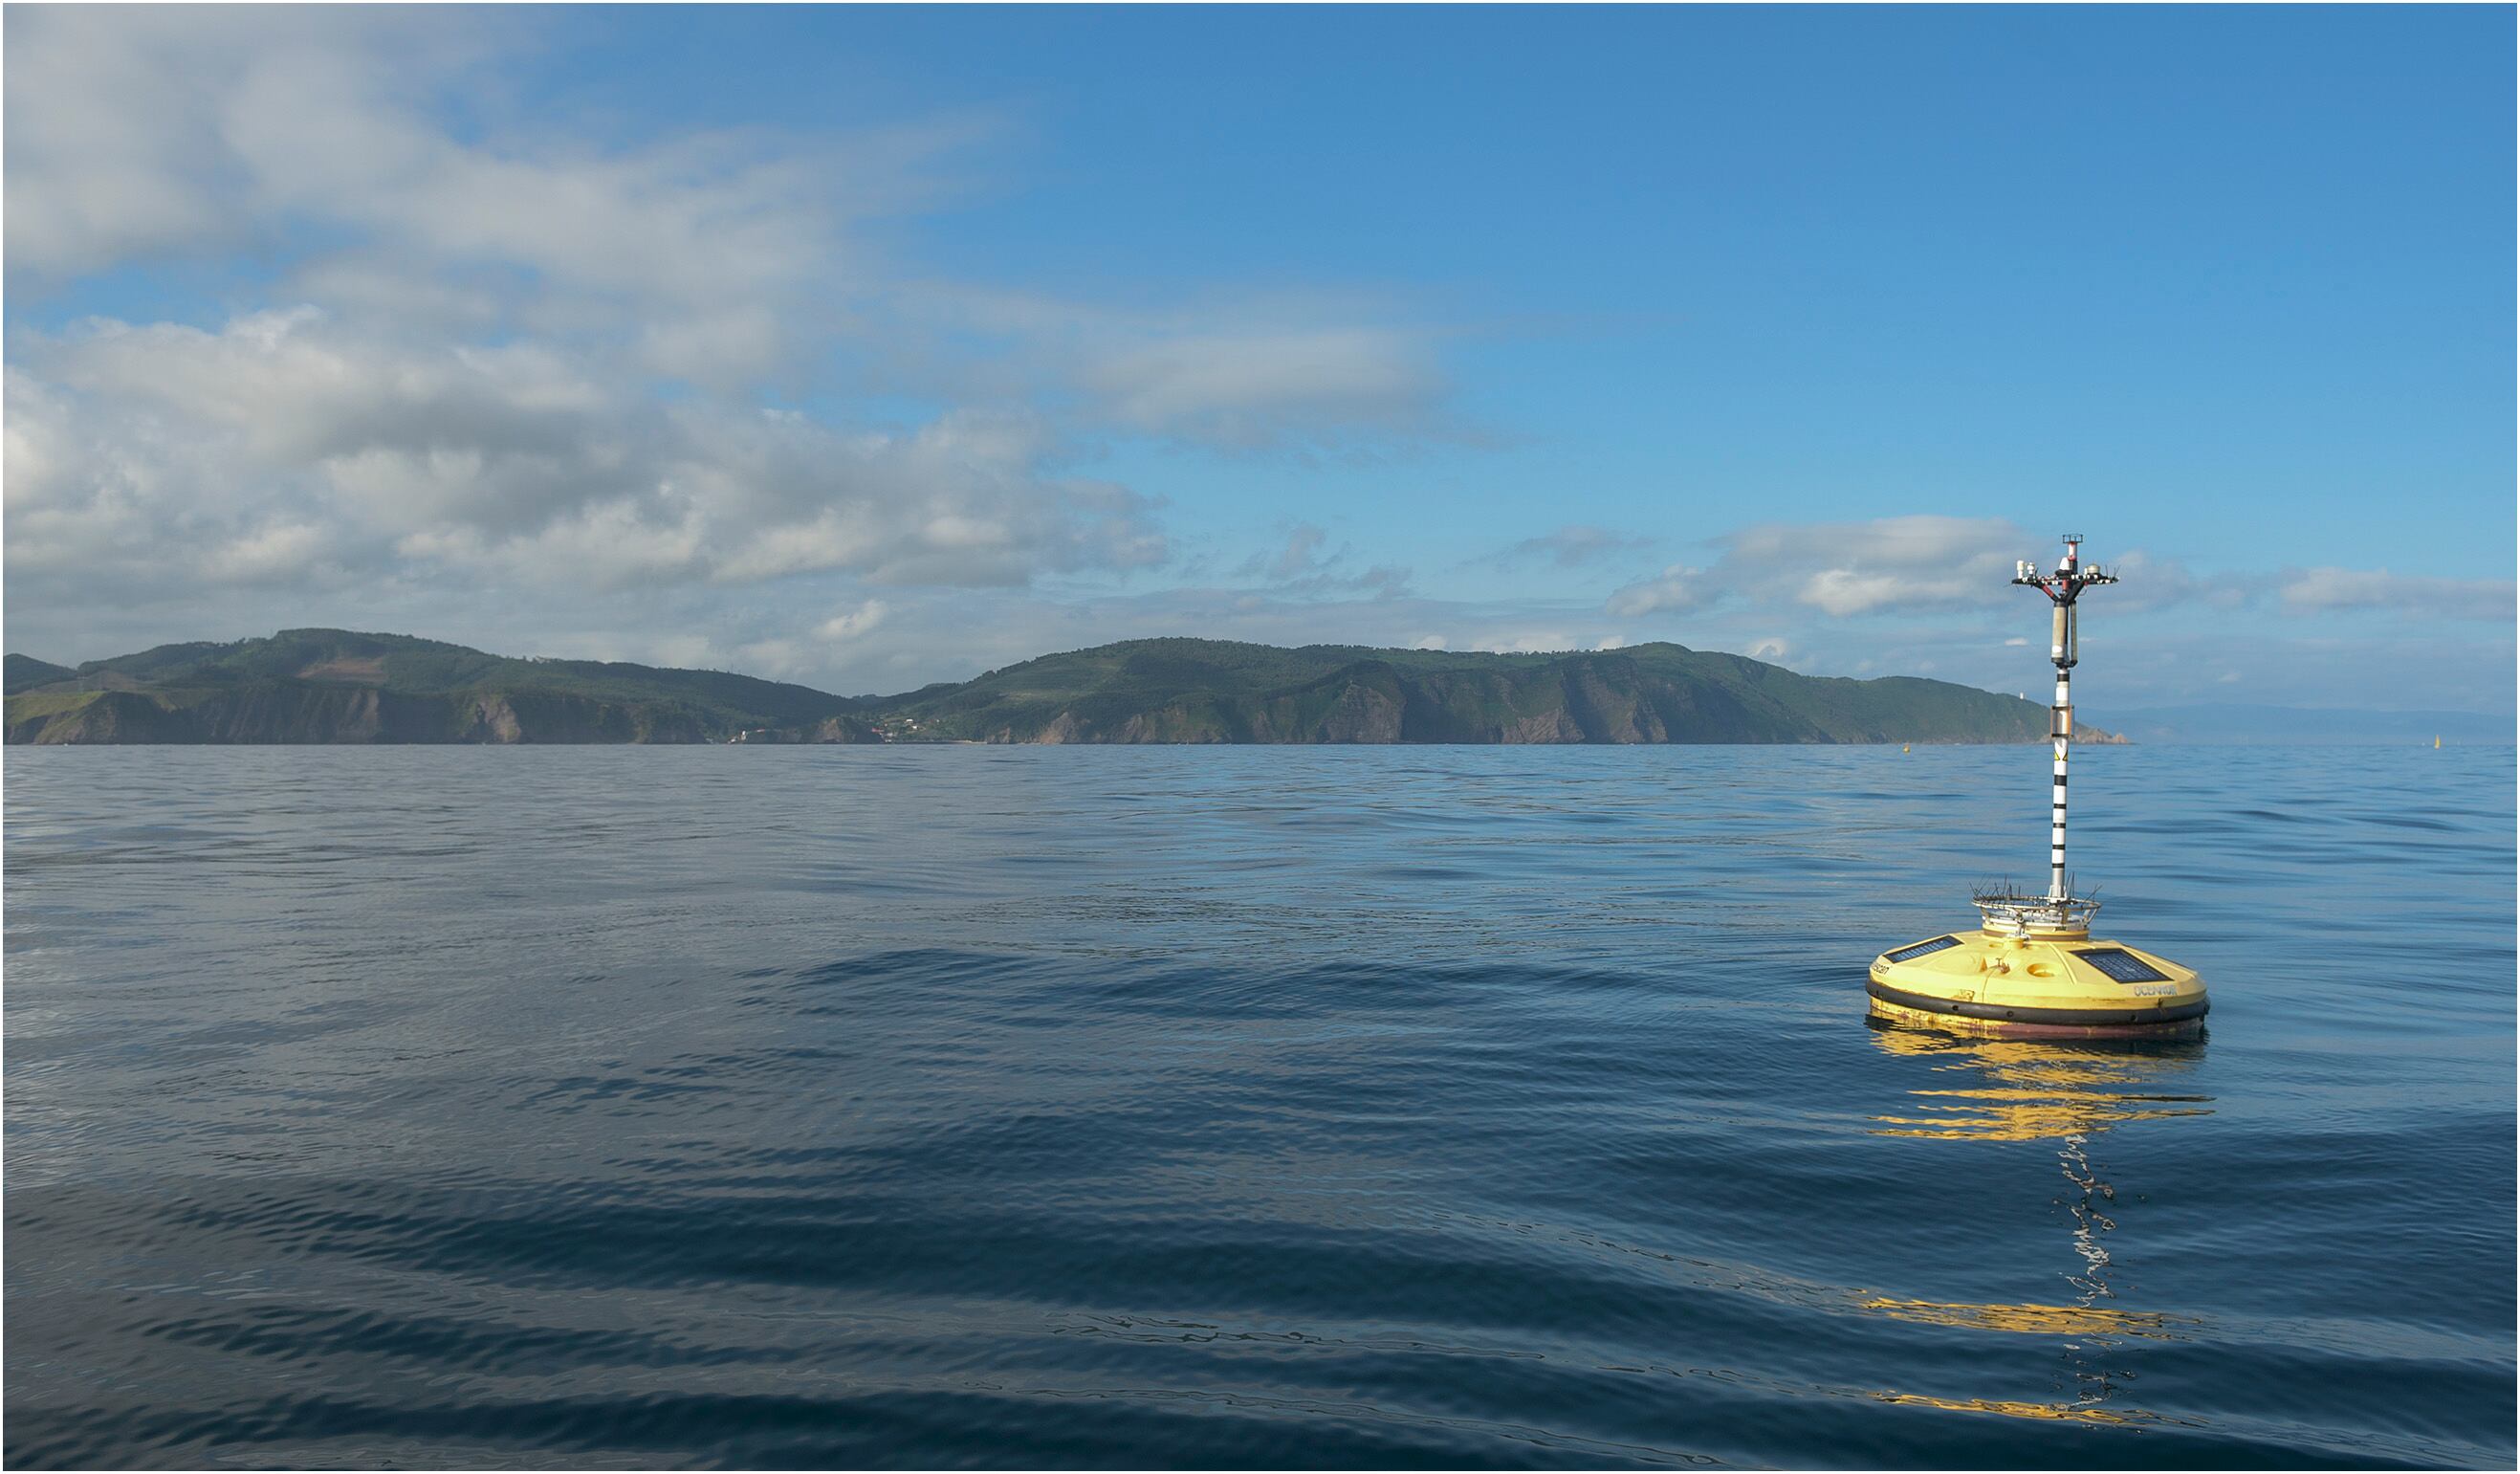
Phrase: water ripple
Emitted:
{"points": [[1246, 1107]]}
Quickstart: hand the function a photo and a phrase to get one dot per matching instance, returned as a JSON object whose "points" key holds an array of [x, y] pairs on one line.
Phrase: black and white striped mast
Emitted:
{"points": [[2062, 587]]}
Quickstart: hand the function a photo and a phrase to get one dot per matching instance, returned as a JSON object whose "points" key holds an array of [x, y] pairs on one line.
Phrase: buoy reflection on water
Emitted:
{"points": [[2014, 1090]]}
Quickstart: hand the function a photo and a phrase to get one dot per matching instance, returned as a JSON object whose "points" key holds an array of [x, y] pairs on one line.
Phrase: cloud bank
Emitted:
{"points": [[493, 360]]}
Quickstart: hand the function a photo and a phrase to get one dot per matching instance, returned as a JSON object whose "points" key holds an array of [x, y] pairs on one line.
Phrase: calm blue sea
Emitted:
{"points": [[1162, 1107]]}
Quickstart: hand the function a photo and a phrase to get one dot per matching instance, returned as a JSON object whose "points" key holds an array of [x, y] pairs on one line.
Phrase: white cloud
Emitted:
{"points": [[851, 624], [1530, 642], [1282, 373], [1302, 555], [2329, 590], [516, 463], [280, 553], [1891, 562], [170, 132], [1262, 389], [1677, 589], [1569, 546], [1892, 565], [1300, 568]]}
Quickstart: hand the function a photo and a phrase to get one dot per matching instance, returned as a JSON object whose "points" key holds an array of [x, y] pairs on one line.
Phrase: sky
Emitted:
{"points": [[869, 346]]}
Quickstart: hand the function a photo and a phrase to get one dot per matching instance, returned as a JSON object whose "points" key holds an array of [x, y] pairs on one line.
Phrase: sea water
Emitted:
{"points": [[1049, 1106]]}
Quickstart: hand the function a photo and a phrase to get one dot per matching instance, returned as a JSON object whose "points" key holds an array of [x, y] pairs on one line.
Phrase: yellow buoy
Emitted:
{"points": [[2031, 966], [2028, 970]]}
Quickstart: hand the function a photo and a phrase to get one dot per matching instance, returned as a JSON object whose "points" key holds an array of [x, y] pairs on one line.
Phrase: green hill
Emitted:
{"points": [[331, 686], [1183, 690], [25, 672]]}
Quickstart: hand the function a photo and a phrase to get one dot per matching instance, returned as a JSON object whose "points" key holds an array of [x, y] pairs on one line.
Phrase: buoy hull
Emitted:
{"points": [[2063, 985], [2030, 1028]]}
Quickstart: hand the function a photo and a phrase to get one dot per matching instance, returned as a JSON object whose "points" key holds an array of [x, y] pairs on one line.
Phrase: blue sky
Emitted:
{"points": [[869, 346]]}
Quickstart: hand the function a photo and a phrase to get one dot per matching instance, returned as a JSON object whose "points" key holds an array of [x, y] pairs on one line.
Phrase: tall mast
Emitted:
{"points": [[2032, 968], [2062, 587]]}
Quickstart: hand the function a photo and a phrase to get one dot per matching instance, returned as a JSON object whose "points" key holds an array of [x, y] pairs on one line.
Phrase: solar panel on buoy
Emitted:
{"points": [[2123, 965]]}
